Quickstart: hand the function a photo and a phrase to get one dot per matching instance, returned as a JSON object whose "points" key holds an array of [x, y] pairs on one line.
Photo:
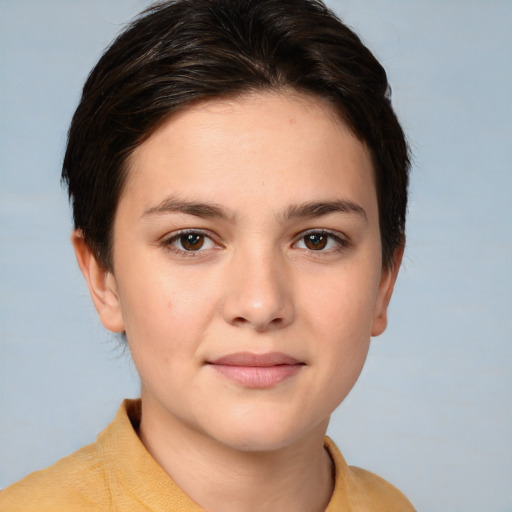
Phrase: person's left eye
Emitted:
{"points": [[320, 241]]}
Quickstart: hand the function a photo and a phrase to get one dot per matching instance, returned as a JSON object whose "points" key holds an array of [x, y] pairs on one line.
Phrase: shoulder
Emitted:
{"points": [[89, 479], [369, 491], [362, 491], [76, 483]]}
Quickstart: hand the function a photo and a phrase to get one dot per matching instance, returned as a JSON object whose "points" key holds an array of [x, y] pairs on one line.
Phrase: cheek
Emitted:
{"points": [[341, 312], [146, 307], [343, 302], [165, 311]]}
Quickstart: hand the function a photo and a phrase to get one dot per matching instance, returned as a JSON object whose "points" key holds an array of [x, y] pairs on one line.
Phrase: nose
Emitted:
{"points": [[258, 292]]}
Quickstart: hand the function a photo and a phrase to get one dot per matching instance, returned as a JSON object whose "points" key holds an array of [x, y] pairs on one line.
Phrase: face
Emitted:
{"points": [[247, 269]]}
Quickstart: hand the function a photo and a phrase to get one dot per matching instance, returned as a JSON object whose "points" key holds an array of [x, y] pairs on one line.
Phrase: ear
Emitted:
{"points": [[386, 285], [101, 282]]}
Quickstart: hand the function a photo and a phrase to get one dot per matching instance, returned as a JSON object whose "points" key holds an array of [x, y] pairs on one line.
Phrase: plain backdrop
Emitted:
{"points": [[432, 409]]}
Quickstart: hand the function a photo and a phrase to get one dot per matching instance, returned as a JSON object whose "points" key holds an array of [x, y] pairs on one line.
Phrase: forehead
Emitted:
{"points": [[275, 147]]}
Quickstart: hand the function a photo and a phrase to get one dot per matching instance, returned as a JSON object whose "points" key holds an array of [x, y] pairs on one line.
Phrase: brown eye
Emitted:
{"points": [[192, 241], [316, 241], [321, 241]]}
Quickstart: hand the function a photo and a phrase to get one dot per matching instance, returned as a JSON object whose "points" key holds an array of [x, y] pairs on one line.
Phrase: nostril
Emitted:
{"points": [[258, 325], [261, 309]]}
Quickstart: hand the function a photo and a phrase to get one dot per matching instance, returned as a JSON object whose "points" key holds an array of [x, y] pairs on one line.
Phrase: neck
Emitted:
{"points": [[297, 477]]}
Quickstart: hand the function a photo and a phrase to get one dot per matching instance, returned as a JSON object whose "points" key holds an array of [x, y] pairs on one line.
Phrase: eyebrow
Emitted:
{"points": [[308, 209], [198, 209], [319, 208]]}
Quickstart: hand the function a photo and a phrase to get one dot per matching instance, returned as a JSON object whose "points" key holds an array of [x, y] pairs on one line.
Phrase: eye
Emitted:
{"points": [[189, 241], [320, 241]]}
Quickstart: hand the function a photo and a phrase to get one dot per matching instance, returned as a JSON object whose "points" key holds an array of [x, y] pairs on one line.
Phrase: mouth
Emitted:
{"points": [[257, 371]]}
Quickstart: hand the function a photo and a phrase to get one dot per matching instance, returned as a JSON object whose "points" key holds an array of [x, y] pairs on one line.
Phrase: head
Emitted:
{"points": [[182, 52], [239, 184]]}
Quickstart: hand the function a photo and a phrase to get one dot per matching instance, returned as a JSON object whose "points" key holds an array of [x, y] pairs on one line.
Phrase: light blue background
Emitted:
{"points": [[432, 410]]}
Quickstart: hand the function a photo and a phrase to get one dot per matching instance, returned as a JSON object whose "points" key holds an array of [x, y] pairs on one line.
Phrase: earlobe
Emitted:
{"points": [[101, 283], [386, 285]]}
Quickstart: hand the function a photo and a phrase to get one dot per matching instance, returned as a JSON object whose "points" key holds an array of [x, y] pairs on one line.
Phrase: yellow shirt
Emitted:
{"points": [[116, 473]]}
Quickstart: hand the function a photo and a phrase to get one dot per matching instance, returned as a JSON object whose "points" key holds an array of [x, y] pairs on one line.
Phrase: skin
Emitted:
{"points": [[252, 178]]}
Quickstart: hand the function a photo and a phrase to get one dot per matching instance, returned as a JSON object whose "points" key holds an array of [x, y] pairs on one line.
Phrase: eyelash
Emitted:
{"points": [[168, 243], [340, 241]]}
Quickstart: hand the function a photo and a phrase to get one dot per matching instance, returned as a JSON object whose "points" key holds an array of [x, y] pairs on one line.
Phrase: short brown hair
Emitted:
{"points": [[181, 51]]}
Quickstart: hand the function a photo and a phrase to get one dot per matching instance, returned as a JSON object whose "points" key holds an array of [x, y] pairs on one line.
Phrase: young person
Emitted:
{"points": [[239, 186]]}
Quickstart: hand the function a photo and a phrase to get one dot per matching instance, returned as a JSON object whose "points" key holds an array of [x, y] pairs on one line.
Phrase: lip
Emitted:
{"points": [[258, 371]]}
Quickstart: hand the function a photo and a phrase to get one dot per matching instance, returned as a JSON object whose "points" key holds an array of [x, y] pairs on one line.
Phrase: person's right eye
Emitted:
{"points": [[188, 242]]}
